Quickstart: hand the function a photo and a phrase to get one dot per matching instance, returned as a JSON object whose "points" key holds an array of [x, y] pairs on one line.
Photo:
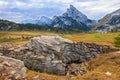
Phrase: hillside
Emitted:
{"points": [[6, 25]]}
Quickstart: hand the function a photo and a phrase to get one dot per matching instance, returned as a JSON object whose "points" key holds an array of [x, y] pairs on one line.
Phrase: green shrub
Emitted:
{"points": [[117, 41]]}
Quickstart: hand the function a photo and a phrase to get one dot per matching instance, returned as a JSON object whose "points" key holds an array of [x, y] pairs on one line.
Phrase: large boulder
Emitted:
{"points": [[47, 54], [11, 68]]}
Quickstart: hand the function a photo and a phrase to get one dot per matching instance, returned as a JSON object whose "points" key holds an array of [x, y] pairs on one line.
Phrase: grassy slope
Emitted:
{"points": [[22, 37], [102, 64]]}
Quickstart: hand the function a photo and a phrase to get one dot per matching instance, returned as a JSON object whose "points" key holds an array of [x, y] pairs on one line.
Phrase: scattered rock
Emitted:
{"points": [[12, 68]]}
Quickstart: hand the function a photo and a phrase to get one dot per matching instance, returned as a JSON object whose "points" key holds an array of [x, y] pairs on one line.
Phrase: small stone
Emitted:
{"points": [[17, 76], [36, 77], [17, 50], [23, 48], [10, 49], [6, 63], [1, 67], [1, 54], [108, 73], [13, 72]]}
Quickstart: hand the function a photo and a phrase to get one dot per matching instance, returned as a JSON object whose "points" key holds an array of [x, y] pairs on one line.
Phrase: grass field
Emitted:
{"points": [[21, 37]]}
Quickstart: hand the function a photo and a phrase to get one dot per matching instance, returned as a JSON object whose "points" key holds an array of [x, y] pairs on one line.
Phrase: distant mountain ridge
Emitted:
{"points": [[111, 22], [72, 18]]}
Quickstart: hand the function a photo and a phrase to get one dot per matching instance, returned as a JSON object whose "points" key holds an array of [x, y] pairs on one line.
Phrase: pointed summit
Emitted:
{"points": [[72, 7], [76, 14], [44, 21]]}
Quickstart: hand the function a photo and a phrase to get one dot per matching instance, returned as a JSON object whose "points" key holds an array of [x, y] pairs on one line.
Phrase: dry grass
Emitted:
{"points": [[99, 38], [32, 75], [102, 64], [21, 37]]}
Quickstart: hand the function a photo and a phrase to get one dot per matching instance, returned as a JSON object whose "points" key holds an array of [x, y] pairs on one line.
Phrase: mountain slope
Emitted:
{"points": [[111, 22], [68, 22]]}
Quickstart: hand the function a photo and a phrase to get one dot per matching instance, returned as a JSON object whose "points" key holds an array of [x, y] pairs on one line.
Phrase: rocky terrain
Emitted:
{"points": [[55, 55]]}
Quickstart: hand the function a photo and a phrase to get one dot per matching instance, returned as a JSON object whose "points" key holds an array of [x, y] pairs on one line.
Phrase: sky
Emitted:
{"points": [[19, 10]]}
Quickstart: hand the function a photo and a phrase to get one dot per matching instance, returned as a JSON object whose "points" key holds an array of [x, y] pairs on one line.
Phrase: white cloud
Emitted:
{"points": [[94, 9]]}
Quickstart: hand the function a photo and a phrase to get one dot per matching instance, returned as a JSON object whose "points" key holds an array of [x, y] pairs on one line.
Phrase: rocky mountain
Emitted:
{"points": [[111, 22], [68, 22], [44, 21], [72, 18], [78, 16]]}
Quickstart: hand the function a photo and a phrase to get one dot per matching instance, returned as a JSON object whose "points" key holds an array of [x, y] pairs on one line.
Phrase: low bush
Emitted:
{"points": [[117, 41]]}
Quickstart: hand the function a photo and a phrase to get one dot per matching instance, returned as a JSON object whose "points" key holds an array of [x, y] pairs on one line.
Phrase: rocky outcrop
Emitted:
{"points": [[54, 54], [11, 69]]}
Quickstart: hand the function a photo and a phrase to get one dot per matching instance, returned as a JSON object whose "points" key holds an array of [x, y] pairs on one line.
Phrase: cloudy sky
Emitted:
{"points": [[18, 10]]}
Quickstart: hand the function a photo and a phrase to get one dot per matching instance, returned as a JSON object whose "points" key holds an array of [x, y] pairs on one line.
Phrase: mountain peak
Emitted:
{"points": [[44, 21], [75, 14], [72, 7], [44, 17]]}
